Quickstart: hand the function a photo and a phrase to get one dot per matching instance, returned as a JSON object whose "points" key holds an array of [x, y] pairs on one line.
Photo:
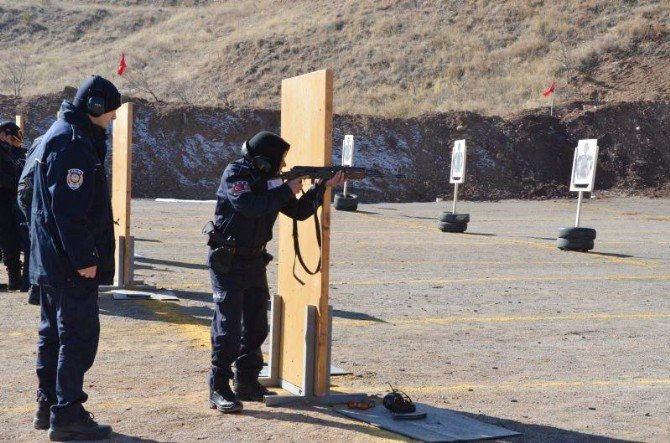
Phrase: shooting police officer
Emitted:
{"points": [[249, 199], [12, 158], [72, 253]]}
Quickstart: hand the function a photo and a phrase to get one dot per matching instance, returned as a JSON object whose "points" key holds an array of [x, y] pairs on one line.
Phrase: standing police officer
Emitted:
{"points": [[12, 158], [249, 199], [72, 253]]}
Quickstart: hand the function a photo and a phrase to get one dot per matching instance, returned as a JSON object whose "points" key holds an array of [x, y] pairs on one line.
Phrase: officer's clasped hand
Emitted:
{"points": [[88, 272]]}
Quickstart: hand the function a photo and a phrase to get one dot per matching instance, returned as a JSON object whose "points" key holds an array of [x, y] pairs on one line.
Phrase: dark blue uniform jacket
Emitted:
{"points": [[247, 208], [25, 187], [71, 226]]}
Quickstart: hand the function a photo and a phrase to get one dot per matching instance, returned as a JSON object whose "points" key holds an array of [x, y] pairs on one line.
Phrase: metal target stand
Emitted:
{"points": [[582, 180], [453, 221]]}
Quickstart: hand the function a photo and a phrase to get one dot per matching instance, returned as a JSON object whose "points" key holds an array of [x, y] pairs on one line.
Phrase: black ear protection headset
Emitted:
{"points": [[260, 162], [95, 104]]}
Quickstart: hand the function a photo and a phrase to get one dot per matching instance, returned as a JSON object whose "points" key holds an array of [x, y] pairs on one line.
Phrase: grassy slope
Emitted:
{"points": [[391, 57]]}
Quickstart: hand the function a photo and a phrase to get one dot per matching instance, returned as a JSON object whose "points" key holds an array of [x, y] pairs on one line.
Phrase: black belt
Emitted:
{"points": [[243, 251]]}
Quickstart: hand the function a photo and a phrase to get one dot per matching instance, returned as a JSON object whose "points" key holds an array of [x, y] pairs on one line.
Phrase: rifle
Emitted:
{"points": [[323, 173], [327, 172]]}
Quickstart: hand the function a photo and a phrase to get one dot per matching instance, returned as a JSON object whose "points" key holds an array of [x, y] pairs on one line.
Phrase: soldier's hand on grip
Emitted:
{"points": [[337, 179], [295, 185]]}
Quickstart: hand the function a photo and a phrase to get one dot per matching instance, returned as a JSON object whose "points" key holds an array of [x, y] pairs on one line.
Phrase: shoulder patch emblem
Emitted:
{"points": [[240, 187], [75, 178]]}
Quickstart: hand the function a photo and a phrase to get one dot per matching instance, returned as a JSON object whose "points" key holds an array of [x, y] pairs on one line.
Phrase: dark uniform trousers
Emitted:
{"points": [[68, 341], [240, 322]]}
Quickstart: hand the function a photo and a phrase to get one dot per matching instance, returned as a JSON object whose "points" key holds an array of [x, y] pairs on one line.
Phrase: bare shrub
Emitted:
{"points": [[564, 57], [137, 79], [15, 74]]}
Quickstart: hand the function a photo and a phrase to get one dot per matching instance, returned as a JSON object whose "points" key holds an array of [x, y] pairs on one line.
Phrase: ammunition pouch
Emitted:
{"points": [[221, 259], [222, 252]]}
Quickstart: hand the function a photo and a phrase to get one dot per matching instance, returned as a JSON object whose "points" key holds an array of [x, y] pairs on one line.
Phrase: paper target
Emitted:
{"points": [[458, 157], [348, 150], [584, 165]]}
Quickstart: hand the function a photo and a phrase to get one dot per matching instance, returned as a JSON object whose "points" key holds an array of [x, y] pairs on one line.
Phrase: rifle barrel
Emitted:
{"points": [[326, 171]]}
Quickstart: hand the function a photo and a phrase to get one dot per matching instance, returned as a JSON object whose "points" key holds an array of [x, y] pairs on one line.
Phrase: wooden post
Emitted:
{"points": [[19, 123], [307, 124], [122, 140]]}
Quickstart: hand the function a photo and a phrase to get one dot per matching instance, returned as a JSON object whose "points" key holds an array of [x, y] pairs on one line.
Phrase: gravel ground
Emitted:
{"points": [[495, 323]]}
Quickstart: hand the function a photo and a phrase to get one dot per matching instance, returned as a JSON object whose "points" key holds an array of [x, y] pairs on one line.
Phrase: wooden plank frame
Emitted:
{"points": [[307, 124], [122, 141]]}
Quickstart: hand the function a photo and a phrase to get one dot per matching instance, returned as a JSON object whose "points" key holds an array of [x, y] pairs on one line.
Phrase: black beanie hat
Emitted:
{"points": [[269, 145], [97, 86]]}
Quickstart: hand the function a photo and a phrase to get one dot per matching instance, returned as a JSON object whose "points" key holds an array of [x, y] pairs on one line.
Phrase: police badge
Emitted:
{"points": [[75, 178]]}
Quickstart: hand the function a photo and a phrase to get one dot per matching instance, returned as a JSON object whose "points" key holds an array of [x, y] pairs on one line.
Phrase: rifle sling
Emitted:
{"points": [[296, 244]]}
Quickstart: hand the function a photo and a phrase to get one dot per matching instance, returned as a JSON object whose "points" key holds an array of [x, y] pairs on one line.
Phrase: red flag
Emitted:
{"points": [[550, 90], [122, 65]]}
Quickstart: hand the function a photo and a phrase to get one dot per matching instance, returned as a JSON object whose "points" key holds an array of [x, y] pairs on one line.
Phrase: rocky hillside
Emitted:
{"points": [[180, 151], [394, 58]]}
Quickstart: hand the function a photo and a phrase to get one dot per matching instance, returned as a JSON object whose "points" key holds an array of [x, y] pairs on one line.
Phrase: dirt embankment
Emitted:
{"points": [[180, 151]]}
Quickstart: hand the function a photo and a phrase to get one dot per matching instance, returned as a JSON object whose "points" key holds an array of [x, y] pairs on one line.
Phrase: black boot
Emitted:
{"points": [[250, 389], [15, 279], [25, 279], [224, 399], [34, 295], [41, 420], [84, 429]]}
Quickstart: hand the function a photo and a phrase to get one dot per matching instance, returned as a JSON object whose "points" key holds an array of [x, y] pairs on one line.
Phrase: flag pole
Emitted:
{"points": [[551, 106]]}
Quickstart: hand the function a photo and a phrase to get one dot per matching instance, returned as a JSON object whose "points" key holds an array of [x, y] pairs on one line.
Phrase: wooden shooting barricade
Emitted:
{"points": [[122, 156], [301, 320]]}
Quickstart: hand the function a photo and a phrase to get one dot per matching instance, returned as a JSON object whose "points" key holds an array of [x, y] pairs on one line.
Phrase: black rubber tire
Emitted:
{"points": [[454, 218], [569, 244], [452, 227], [577, 233], [346, 203]]}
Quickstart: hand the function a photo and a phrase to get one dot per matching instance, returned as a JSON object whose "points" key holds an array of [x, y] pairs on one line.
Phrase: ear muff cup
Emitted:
{"points": [[263, 164], [260, 162], [95, 105]]}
